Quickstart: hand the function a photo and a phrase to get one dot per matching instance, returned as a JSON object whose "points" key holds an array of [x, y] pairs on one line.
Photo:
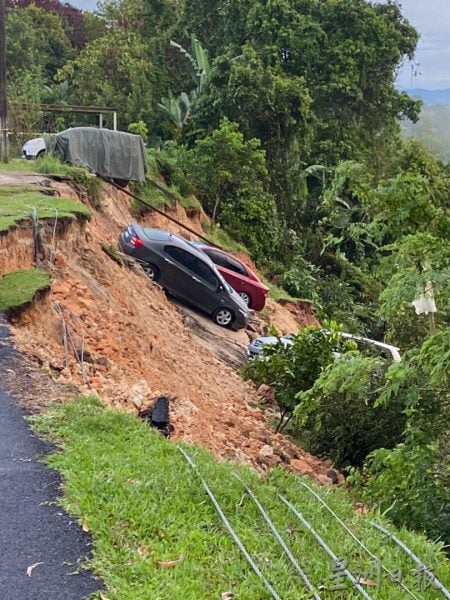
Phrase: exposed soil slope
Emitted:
{"points": [[136, 344]]}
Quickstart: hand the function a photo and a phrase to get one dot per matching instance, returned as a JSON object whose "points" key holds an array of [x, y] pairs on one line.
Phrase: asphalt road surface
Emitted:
{"points": [[34, 530]]}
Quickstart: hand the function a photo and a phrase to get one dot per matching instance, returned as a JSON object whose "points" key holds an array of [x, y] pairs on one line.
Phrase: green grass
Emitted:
{"points": [[152, 196], [17, 289], [16, 207], [277, 293], [190, 202], [144, 506], [19, 164], [219, 236], [113, 254], [49, 164]]}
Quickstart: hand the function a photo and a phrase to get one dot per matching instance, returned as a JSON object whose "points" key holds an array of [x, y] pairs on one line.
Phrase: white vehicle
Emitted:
{"points": [[256, 347], [33, 148]]}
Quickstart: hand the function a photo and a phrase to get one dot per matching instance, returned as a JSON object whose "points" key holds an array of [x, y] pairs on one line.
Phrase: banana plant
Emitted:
{"points": [[179, 108], [201, 69]]}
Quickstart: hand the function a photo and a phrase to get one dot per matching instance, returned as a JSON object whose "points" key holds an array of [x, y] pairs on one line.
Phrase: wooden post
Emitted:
{"points": [[3, 102]]}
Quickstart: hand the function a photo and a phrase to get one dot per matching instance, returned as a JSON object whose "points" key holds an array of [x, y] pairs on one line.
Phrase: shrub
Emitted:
{"points": [[295, 368], [251, 220], [411, 481], [405, 484], [340, 413], [139, 128]]}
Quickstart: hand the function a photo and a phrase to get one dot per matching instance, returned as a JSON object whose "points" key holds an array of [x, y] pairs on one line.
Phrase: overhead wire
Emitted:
{"points": [[157, 210]]}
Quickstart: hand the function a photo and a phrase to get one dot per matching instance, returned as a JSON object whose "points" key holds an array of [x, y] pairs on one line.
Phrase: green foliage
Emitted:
{"points": [[113, 71], [144, 506], [113, 254], [292, 369], [172, 164], [229, 174], [340, 414], [79, 178], [415, 262], [300, 280], [290, 126], [18, 289], [277, 114], [25, 116], [412, 480], [37, 45], [404, 484], [152, 196], [50, 164], [325, 75], [139, 128], [179, 108]]}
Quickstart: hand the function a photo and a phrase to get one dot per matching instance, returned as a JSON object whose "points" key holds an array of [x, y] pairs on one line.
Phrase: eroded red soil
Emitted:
{"points": [[135, 344]]}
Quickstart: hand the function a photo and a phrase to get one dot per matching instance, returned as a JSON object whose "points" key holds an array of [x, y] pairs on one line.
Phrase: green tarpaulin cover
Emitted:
{"points": [[114, 154]]}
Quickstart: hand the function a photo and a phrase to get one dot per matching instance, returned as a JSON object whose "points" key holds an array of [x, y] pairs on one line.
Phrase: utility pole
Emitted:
{"points": [[3, 103]]}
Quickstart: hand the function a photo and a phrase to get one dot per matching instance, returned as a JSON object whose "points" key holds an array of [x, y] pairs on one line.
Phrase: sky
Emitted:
{"points": [[432, 19]]}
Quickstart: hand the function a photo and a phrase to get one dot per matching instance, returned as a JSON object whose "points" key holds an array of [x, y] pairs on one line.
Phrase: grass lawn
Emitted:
{"points": [[19, 287], [19, 164], [16, 207], [157, 535]]}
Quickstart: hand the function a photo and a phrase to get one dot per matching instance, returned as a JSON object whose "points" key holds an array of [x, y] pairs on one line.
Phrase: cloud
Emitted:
{"points": [[430, 18]]}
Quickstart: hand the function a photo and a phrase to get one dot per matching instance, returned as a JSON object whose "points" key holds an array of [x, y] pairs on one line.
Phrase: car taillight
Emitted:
{"points": [[136, 242]]}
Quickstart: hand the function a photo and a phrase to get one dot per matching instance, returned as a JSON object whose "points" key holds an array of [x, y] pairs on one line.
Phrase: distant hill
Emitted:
{"points": [[433, 128], [431, 96]]}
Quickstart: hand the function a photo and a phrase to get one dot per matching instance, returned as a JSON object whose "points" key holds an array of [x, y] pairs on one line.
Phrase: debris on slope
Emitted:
{"points": [[111, 332]]}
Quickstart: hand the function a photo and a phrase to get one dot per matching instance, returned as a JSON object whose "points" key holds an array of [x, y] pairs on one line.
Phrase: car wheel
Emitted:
{"points": [[223, 317], [40, 154], [245, 297], [151, 271]]}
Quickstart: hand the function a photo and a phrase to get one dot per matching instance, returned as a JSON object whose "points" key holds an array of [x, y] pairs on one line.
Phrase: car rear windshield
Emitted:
{"points": [[226, 261]]}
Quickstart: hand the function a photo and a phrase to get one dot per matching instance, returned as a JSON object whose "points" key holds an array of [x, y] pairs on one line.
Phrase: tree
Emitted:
{"points": [[230, 174], [115, 71], [179, 109], [416, 262], [267, 105], [29, 50], [223, 162], [325, 79], [72, 18]]}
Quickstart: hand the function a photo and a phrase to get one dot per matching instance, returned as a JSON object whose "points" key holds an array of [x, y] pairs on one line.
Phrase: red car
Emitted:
{"points": [[238, 275]]}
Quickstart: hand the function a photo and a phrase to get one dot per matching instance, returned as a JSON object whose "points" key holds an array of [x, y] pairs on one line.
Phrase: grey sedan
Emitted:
{"points": [[185, 272]]}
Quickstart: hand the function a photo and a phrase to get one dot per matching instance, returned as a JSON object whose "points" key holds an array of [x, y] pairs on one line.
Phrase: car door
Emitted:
{"points": [[177, 274], [205, 289]]}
